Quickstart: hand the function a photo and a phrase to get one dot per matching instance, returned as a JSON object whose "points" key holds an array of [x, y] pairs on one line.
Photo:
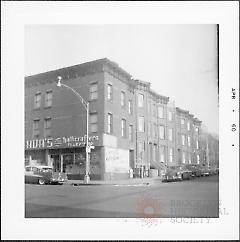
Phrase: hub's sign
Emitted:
{"points": [[60, 142]]}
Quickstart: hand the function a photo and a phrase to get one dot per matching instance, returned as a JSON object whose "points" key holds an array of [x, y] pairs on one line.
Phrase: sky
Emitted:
{"points": [[180, 61]]}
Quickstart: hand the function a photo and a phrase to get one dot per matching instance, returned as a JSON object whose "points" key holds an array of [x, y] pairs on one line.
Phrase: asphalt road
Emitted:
{"points": [[194, 198]]}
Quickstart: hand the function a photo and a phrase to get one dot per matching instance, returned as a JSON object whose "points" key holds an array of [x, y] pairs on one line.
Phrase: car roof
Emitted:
{"points": [[39, 166]]}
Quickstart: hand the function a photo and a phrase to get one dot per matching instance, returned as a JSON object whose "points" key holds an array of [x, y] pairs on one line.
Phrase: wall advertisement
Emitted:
{"points": [[116, 160]]}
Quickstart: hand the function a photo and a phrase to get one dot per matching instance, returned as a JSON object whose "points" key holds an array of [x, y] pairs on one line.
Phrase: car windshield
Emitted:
{"points": [[46, 169]]}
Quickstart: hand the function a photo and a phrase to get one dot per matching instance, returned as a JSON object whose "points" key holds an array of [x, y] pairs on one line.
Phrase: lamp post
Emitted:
{"points": [[86, 106]]}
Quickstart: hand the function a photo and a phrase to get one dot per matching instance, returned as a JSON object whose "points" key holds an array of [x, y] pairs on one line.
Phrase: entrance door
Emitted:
{"points": [[131, 158], [56, 163]]}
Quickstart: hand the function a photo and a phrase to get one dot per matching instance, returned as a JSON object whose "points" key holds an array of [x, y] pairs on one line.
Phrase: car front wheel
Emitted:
{"points": [[41, 182]]}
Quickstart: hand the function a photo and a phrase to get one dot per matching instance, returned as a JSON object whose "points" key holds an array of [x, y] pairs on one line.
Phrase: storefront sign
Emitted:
{"points": [[61, 142], [116, 160]]}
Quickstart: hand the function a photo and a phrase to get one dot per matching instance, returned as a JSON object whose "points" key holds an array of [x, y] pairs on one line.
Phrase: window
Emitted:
{"points": [[36, 124], [182, 121], [198, 159], [140, 100], [183, 139], [122, 99], [48, 99], [93, 122], [196, 130], [47, 127], [162, 154], [189, 159], [130, 106], [170, 154], [141, 124], [161, 132], [160, 111], [155, 131], [197, 144], [154, 152], [141, 149], [37, 100], [109, 92], [189, 141], [109, 123], [170, 116], [123, 128], [183, 157], [94, 91], [149, 129], [131, 133], [154, 110], [188, 126], [170, 134]]}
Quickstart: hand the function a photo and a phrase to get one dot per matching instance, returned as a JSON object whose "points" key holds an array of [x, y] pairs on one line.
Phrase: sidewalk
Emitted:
{"points": [[127, 182]]}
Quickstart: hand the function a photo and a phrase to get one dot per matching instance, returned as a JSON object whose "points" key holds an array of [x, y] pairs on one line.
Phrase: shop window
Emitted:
{"points": [[155, 130], [154, 153], [189, 158], [109, 92], [183, 157], [141, 149], [36, 126], [93, 122], [140, 100], [141, 124], [93, 91], [109, 123], [37, 100], [47, 127], [123, 128], [48, 99]]}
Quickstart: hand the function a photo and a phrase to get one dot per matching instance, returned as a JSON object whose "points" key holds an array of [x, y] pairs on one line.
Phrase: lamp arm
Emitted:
{"points": [[85, 104]]}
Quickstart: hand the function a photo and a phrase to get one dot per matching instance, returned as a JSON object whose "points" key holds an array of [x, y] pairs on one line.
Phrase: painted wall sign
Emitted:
{"points": [[116, 160], [60, 142]]}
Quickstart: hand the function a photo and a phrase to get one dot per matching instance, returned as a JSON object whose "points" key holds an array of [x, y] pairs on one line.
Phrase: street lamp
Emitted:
{"points": [[86, 106]]}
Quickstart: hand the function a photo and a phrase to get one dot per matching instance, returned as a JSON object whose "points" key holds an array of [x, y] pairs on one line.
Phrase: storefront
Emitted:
{"points": [[66, 155]]}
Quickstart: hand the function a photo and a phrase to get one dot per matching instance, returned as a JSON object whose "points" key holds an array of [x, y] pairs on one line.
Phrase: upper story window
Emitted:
{"points": [[183, 139], [48, 99], [161, 132], [162, 153], [182, 121], [109, 92], [93, 122], [196, 130], [130, 107], [170, 134], [170, 154], [141, 149], [141, 124], [170, 116], [123, 98], [131, 133], [197, 144], [198, 159], [109, 123], [189, 158], [183, 157], [188, 126], [47, 127], [154, 110], [160, 111], [189, 141], [140, 100], [123, 128], [155, 130], [93, 91], [36, 126], [149, 129], [37, 100]]}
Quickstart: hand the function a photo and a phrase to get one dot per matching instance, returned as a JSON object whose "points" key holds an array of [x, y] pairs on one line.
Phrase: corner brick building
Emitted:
{"points": [[130, 125]]}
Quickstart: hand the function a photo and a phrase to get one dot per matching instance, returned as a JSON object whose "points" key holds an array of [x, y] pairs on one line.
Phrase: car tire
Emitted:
{"points": [[41, 182]]}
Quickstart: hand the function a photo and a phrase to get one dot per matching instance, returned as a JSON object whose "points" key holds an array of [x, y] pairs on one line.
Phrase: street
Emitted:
{"points": [[193, 198]]}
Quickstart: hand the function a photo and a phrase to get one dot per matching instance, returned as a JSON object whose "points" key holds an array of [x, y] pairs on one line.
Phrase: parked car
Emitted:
{"points": [[171, 174], [195, 170], [205, 171], [41, 175]]}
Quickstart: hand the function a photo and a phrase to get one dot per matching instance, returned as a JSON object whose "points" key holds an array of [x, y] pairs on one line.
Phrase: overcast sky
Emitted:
{"points": [[180, 61]]}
